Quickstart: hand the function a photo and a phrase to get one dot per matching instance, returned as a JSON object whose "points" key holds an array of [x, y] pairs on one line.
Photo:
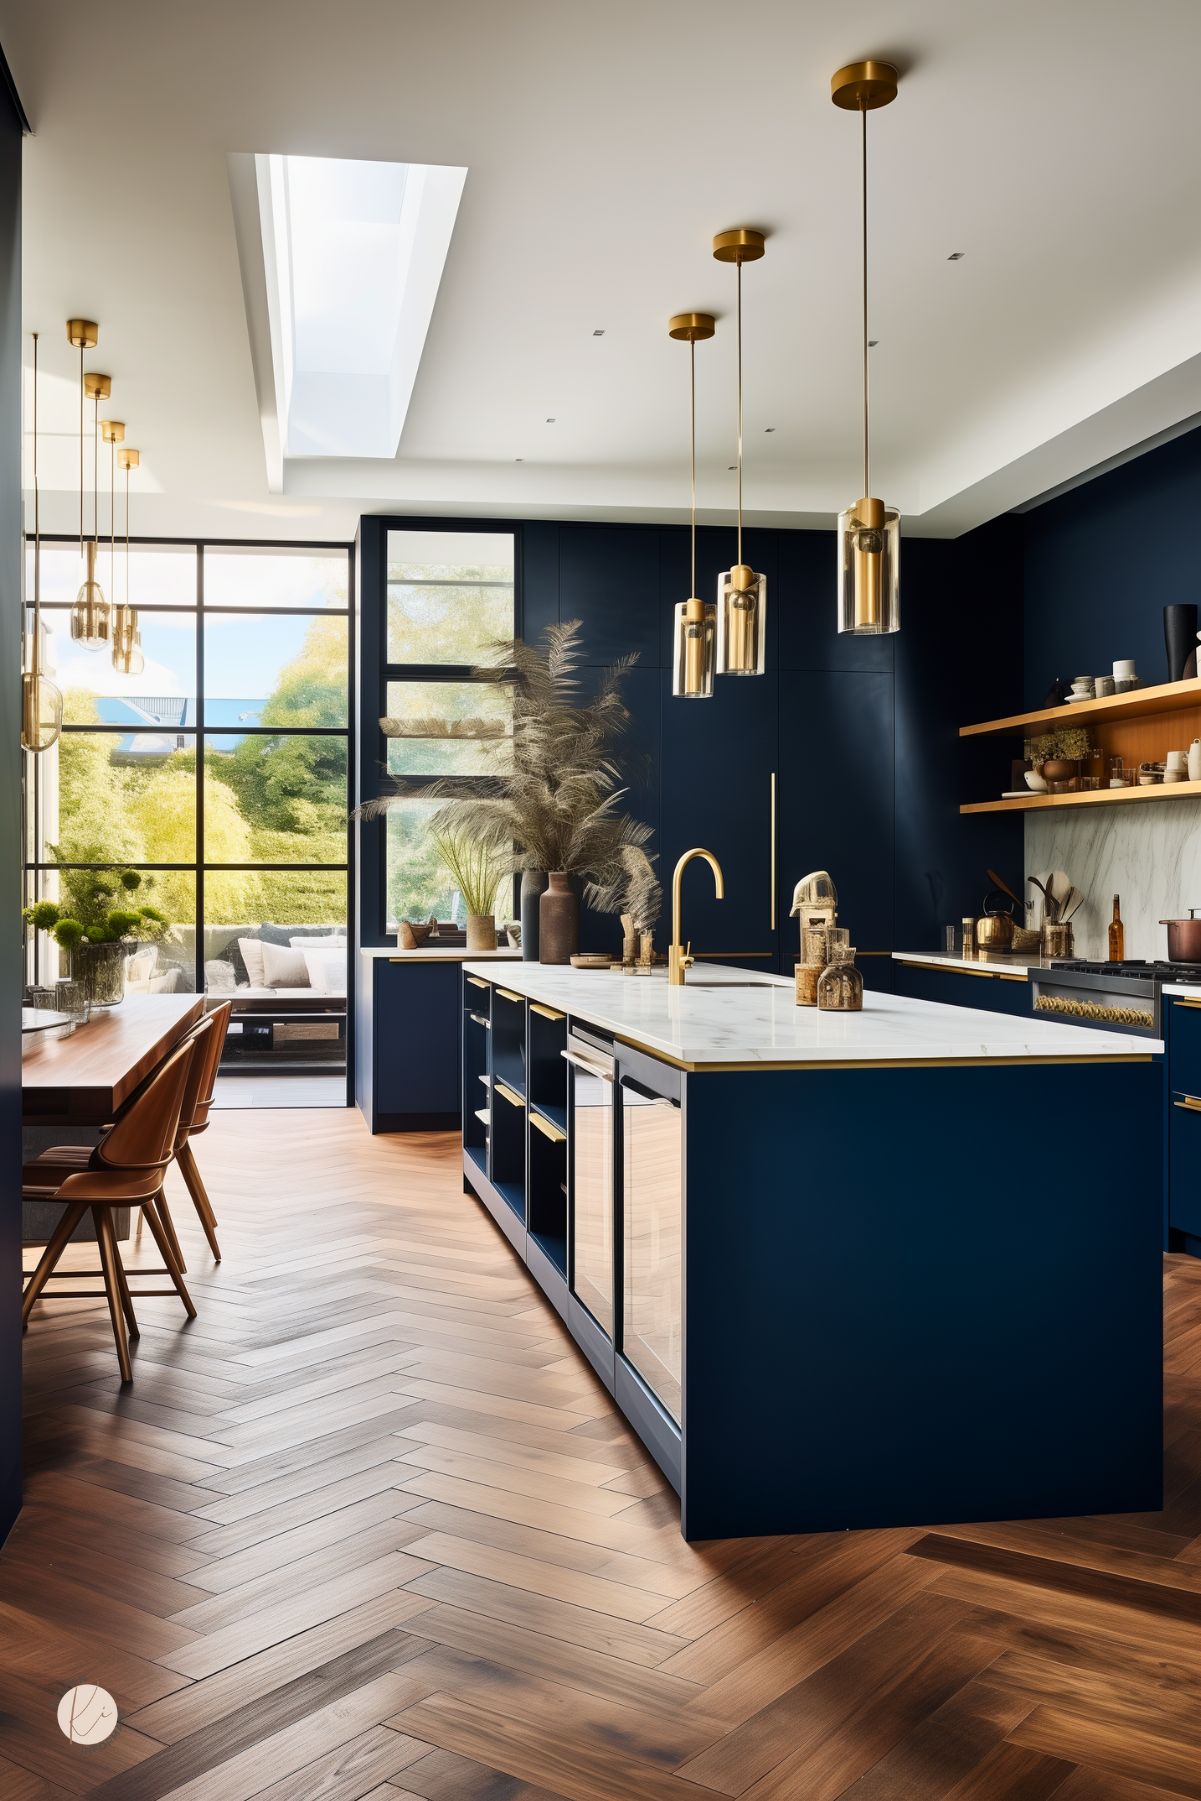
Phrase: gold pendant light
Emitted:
{"points": [[41, 701], [90, 616], [127, 634], [869, 533], [695, 620], [741, 594]]}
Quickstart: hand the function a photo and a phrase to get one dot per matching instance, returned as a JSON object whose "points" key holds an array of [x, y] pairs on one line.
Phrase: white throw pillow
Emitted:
{"points": [[141, 965], [252, 957], [220, 977], [327, 970], [282, 967]]}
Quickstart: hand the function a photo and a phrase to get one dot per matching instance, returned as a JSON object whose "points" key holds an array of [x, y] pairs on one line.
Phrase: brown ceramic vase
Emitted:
{"points": [[558, 920]]}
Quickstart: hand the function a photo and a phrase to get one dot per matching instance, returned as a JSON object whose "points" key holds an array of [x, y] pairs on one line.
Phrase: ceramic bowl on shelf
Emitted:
{"points": [[1036, 781]]}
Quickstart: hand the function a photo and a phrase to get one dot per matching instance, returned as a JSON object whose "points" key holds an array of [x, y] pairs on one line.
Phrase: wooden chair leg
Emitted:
{"points": [[56, 1244], [190, 1172], [131, 1318], [169, 1258], [106, 1239], [159, 1207]]}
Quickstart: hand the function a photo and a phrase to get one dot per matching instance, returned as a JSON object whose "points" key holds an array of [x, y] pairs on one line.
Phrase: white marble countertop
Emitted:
{"points": [[726, 1016], [1188, 990], [435, 953], [1012, 963]]}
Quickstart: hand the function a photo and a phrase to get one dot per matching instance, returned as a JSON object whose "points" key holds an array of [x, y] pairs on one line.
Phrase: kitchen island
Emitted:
{"points": [[838, 1270]]}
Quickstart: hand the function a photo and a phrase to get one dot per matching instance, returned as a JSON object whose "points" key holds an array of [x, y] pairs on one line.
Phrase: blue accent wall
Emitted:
{"points": [[861, 733], [10, 810], [1101, 563]]}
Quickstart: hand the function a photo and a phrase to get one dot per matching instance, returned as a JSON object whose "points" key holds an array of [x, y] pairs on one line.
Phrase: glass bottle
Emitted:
{"points": [[840, 989], [1117, 934]]}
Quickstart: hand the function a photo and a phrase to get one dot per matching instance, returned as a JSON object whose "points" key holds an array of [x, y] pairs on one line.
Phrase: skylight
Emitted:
{"points": [[353, 254]]}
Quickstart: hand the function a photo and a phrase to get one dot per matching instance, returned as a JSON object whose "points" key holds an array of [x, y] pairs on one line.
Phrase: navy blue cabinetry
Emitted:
{"points": [[407, 1073], [835, 797], [719, 756], [1182, 1028], [963, 988], [609, 580]]}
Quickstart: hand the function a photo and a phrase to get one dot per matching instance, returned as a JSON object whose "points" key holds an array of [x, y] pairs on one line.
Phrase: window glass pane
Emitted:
{"points": [[163, 965], [450, 728], [106, 795], [418, 887], [270, 799], [264, 903], [160, 575], [450, 595], [94, 693], [281, 670], [246, 577]]}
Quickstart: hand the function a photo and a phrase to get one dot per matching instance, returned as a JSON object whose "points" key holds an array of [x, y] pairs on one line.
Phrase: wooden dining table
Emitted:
{"points": [[84, 1080]]}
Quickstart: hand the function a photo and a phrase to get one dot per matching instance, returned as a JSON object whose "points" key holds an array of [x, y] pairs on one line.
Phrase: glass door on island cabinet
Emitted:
{"points": [[653, 1238], [719, 791], [590, 1137]]}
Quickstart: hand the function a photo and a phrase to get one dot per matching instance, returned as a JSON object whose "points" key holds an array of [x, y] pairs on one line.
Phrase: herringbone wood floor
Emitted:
{"points": [[369, 1528]]}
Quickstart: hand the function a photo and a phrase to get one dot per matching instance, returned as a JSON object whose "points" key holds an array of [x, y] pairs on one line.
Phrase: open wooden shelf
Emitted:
{"points": [[1093, 797], [1140, 703]]}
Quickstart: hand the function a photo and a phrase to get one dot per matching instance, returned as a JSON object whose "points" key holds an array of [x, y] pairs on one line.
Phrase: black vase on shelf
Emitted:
{"points": [[534, 883], [1180, 640]]}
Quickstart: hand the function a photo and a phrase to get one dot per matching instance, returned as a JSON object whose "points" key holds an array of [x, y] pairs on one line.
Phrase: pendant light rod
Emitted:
{"points": [[693, 328], [742, 245], [861, 88], [866, 438]]}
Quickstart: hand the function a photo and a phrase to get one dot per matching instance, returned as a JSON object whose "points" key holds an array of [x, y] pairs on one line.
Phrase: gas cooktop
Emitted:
{"points": [[1132, 968]]}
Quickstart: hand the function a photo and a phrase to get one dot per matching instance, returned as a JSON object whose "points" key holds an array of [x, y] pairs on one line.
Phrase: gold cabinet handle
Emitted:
{"points": [[1178, 1000], [546, 1012], [1189, 1102], [547, 1130], [508, 995], [773, 850], [477, 982], [510, 1095]]}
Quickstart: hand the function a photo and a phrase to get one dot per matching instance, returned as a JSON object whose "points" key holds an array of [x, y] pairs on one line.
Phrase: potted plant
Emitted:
{"points": [[96, 930], [476, 871]]}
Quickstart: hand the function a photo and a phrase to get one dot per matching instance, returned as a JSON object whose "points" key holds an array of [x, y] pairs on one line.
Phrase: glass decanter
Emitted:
{"points": [[840, 987]]}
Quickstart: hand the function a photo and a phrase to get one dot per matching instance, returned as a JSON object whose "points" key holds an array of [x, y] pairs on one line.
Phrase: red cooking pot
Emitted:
{"points": [[1184, 938]]}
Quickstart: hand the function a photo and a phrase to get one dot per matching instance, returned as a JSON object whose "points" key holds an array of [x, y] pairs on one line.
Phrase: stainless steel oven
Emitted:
{"points": [[1110, 997]]}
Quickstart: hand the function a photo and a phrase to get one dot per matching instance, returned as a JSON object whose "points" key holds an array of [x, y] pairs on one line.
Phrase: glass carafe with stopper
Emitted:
{"points": [[840, 989]]}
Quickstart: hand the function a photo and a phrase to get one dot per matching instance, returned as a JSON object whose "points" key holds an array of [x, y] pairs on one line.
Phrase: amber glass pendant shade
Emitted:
{"points": [[91, 616], [127, 641], [741, 621], [692, 663], [869, 569]]}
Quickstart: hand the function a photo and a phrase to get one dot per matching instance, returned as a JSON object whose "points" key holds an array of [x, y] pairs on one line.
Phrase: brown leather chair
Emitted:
{"points": [[126, 1169]]}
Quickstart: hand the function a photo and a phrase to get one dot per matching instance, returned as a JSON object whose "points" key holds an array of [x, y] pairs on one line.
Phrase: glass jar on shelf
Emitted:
{"points": [[840, 989]]}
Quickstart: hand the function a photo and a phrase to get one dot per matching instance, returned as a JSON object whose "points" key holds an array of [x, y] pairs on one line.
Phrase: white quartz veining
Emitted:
{"points": [[1149, 855], [723, 1015]]}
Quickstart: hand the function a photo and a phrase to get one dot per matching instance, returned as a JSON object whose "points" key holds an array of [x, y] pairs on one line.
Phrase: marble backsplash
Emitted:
{"points": [[1149, 854]]}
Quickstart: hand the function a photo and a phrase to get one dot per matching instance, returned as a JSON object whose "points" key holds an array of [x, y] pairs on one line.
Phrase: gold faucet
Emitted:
{"points": [[679, 956]]}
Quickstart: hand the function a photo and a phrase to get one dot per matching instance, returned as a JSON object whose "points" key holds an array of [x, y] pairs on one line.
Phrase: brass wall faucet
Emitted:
{"points": [[679, 956]]}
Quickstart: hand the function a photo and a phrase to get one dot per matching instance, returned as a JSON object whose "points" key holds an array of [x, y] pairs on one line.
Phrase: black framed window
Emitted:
{"points": [[222, 772], [449, 596]]}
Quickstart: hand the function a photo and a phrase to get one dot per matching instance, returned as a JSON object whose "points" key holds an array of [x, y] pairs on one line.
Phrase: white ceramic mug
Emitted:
{"points": [[1177, 760], [1124, 670]]}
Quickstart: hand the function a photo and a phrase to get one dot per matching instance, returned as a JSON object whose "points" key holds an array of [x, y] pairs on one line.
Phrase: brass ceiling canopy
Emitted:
{"points": [[83, 334], [128, 458], [112, 430], [741, 245], [691, 328], [97, 387], [862, 87]]}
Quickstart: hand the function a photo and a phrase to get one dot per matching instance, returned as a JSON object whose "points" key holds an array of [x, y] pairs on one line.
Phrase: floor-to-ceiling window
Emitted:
{"points": [[449, 604], [220, 773]]}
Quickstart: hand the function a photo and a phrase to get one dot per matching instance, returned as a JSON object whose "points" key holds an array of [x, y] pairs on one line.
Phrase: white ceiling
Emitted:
{"points": [[1057, 146]]}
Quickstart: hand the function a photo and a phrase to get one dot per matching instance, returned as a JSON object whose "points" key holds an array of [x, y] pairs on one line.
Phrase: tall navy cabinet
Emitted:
{"points": [[11, 126]]}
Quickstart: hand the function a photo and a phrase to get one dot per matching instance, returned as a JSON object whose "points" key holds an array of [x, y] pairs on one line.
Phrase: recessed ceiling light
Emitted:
{"points": [[599, 334], [731, 466], [956, 256], [519, 459], [550, 420], [769, 429], [872, 342]]}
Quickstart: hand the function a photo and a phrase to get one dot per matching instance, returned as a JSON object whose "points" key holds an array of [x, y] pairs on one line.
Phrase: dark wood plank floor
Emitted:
{"points": [[368, 1528]]}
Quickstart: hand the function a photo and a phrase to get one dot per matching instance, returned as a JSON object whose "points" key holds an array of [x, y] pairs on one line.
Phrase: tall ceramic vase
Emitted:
{"points": [[1180, 641], [558, 920], [534, 883]]}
